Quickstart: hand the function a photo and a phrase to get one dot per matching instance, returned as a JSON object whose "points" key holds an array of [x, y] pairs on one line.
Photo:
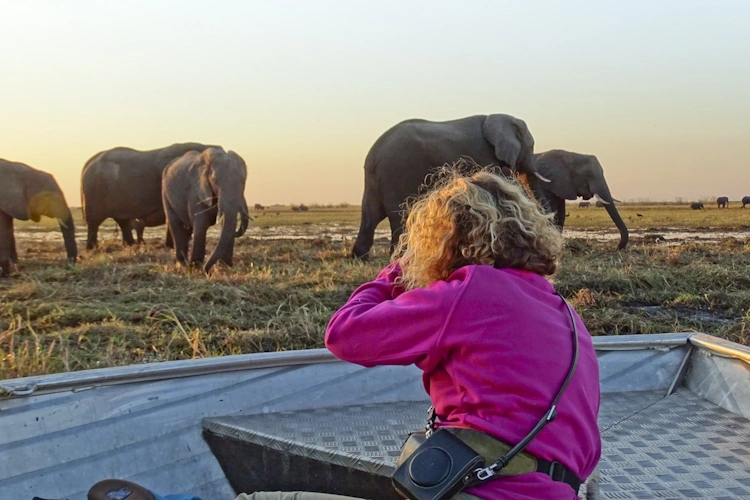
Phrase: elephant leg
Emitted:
{"points": [[92, 230], [127, 233], [560, 214], [198, 252], [228, 256], [13, 249], [139, 233], [396, 229], [372, 213], [6, 235], [180, 234], [556, 206], [169, 241]]}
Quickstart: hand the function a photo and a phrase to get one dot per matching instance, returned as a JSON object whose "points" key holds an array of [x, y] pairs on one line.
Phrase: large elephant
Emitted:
{"points": [[125, 184], [198, 186], [27, 193], [572, 175], [722, 202], [745, 201], [407, 153]]}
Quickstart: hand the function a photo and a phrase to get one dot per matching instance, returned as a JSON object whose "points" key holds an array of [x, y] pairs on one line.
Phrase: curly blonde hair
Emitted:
{"points": [[483, 219]]}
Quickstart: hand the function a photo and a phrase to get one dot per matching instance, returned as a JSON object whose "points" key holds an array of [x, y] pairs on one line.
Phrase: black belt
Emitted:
{"points": [[558, 472], [492, 449]]}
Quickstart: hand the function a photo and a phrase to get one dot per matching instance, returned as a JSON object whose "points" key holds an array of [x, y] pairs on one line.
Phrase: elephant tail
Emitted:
{"points": [[83, 195], [83, 207]]}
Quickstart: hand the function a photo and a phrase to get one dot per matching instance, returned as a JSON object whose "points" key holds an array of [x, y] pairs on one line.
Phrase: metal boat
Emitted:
{"points": [[673, 419]]}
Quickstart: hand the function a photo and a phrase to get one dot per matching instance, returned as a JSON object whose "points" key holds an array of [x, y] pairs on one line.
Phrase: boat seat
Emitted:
{"points": [[678, 446]]}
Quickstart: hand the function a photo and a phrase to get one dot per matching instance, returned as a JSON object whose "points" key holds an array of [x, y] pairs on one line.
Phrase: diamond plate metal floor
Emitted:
{"points": [[680, 447], [654, 447]]}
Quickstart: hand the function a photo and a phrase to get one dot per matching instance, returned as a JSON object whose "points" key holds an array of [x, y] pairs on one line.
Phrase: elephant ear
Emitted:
{"points": [[554, 167], [505, 133], [13, 200], [203, 165]]}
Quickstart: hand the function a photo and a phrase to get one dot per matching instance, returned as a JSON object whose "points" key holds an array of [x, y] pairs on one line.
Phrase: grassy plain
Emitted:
{"points": [[656, 217], [132, 305]]}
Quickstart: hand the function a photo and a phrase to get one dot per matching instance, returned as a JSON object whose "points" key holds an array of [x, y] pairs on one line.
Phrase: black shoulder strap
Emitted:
{"points": [[488, 473]]}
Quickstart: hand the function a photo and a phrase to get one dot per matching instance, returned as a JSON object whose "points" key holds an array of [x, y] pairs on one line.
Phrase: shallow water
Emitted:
{"points": [[668, 236], [341, 232]]}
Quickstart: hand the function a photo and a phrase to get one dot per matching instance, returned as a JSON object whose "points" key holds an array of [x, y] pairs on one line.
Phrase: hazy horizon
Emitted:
{"points": [[657, 90]]}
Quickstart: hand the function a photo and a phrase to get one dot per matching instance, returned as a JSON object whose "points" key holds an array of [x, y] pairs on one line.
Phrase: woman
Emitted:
{"points": [[468, 303]]}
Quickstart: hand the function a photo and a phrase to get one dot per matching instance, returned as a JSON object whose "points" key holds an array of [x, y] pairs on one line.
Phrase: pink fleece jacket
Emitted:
{"points": [[495, 346]]}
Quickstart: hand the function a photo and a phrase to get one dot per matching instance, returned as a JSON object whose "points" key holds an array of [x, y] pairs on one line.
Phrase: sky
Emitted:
{"points": [[659, 91]]}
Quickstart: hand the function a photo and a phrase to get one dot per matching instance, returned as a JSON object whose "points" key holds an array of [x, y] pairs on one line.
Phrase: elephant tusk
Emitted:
{"points": [[541, 177], [616, 201], [601, 199]]}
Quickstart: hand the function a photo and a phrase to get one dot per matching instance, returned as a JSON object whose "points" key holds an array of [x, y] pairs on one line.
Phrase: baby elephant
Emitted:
{"points": [[196, 187], [697, 205]]}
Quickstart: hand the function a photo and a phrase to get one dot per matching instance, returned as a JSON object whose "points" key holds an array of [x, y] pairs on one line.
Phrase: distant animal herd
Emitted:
{"points": [[721, 202], [191, 186]]}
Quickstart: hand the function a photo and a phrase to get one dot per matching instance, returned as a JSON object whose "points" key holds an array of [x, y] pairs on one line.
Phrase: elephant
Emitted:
{"points": [[258, 206], [745, 201], [584, 204], [27, 193], [195, 188], [125, 184], [400, 160], [600, 204], [722, 202], [572, 175], [697, 205]]}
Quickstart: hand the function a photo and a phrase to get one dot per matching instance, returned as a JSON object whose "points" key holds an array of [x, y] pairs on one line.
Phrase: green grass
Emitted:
{"points": [[132, 305], [660, 216], [316, 215], [652, 216]]}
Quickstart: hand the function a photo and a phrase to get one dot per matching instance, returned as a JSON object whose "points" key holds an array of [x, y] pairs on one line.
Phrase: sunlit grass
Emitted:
{"points": [[651, 216], [659, 216], [133, 305]]}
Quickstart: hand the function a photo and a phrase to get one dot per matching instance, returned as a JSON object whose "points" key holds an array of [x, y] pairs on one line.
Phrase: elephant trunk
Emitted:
{"points": [[226, 239], [612, 211], [68, 230], [600, 189]]}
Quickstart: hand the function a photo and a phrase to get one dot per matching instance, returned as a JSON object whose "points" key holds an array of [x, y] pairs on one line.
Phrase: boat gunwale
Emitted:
{"points": [[87, 379], [149, 372], [721, 347]]}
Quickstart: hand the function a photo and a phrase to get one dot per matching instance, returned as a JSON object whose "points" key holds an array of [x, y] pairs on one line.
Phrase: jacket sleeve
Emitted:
{"points": [[382, 325]]}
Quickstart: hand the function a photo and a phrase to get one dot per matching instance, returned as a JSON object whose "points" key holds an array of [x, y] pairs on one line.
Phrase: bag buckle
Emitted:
{"points": [[556, 471], [485, 473]]}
